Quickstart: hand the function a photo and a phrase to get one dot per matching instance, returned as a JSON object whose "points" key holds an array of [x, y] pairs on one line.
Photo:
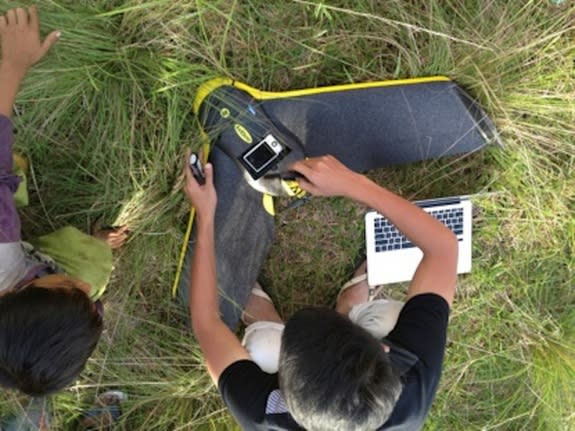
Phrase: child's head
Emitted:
{"points": [[333, 374], [46, 337]]}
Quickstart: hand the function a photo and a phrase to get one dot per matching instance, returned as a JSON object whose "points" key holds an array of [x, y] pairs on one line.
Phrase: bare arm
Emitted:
{"points": [[437, 272], [21, 49], [9, 85], [218, 343]]}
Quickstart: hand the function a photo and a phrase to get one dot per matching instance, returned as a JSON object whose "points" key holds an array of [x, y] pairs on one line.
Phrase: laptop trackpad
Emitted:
{"points": [[393, 267]]}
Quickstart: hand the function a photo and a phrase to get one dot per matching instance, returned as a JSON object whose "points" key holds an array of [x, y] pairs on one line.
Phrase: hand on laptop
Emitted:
{"points": [[325, 176]]}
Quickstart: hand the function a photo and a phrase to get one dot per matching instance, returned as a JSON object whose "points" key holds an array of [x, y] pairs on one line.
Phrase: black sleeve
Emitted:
{"points": [[422, 328], [245, 389]]}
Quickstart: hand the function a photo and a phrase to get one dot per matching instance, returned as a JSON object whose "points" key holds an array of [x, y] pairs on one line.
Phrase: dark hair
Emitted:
{"points": [[46, 337], [334, 375]]}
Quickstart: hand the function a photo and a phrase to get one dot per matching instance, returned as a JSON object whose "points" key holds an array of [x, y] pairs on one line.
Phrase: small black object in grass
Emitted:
{"points": [[298, 203], [197, 169]]}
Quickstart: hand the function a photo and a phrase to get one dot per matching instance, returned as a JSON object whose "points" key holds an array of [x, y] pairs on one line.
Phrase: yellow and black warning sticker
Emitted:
{"points": [[293, 189], [243, 133]]}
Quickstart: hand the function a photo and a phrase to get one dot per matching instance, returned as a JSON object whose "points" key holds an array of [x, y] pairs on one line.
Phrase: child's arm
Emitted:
{"points": [[218, 343], [21, 49], [437, 271]]}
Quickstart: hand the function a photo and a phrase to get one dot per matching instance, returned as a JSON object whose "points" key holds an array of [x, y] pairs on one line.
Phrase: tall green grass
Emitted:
{"points": [[106, 117]]}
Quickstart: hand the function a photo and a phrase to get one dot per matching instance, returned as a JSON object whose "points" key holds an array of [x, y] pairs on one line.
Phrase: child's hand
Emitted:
{"points": [[20, 36], [325, 176], [202, 197]]}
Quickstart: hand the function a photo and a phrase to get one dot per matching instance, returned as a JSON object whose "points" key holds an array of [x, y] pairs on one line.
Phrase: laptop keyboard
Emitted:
{"points": [[387, 237]]}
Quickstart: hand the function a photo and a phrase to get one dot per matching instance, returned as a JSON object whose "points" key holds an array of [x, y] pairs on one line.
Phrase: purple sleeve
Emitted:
{"points": [[9, 220]]}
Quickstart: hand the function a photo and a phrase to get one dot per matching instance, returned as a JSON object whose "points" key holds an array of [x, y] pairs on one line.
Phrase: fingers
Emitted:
{"points": [[22, 17], [122, 229], [308, 166], [49, 42], [3, 24], [202, 197], [117, 243], [209, 171], [307, 186], [303, 167], [190, 180], [33, 18], [117, 239], [191, 185], [114, 237], [11, 17]]}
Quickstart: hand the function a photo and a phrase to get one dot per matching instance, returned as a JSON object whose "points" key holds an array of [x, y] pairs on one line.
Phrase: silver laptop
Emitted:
{"points": [[392, 258]]}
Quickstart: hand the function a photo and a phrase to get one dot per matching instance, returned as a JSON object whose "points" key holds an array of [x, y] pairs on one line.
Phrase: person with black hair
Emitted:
{"points": [[50, 319], [367, 365]]}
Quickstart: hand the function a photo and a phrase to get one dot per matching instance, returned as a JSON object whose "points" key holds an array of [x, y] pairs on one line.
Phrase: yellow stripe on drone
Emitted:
{"points": [[268, 203], [207, 87], [266, 95]]}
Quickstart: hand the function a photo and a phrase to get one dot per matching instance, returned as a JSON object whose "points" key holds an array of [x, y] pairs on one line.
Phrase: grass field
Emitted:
{"points": [[105, 119]]}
